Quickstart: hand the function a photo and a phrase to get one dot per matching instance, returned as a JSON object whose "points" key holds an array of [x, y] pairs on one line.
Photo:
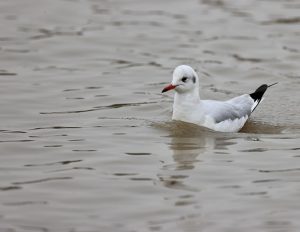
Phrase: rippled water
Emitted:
{"points": [[86, 139]]}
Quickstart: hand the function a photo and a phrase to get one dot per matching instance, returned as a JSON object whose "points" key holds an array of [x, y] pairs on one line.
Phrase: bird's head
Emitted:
{"points": [[185, 79]]}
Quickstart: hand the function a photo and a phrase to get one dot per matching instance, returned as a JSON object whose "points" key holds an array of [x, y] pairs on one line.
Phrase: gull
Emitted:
{"points": [[223, 116]]}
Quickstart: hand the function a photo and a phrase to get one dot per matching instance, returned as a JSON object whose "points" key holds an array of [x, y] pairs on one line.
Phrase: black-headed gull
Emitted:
{"points": [[224, 116]]}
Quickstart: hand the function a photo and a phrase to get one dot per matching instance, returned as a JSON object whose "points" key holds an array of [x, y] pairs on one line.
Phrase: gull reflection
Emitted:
{"points": [[188, 142], [190, 145]]}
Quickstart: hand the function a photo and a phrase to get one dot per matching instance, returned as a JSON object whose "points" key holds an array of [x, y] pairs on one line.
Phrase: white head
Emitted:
{"points": [[185, 80]]}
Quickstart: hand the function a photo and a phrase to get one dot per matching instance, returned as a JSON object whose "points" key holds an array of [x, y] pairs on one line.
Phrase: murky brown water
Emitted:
{"points": [[86, 139]]}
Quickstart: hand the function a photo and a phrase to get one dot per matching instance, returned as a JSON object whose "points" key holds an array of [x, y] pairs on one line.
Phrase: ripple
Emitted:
{"points": [[227, 92], [76, 140], [119, 105], [128, 64], [70, 90], [53, 67], [69, 112], [65, 162], [138, 153], [212, 62], [93, 87], [17, 141], [184, 203], [247, 59], [124, 174], [12, 50], [292, 20], [73, 168], [48, 33], [7, 73], [53, 145], [75, 98], [41, 180], [255, 193], [112, 106], [231, 186], [141, 179], [255, 150], [3, 39], [101, 95], [21, 203], [84, 150], [34, 228], [56, 127], [293, 50], [8, 188], [13, 131], [266, 180], [281, 170]]}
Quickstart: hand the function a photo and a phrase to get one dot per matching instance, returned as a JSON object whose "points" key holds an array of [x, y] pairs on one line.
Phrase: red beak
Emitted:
{"points": [[169, 87]]}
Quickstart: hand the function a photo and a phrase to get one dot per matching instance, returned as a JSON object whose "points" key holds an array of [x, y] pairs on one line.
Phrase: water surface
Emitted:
{"points": [[86, 139]]}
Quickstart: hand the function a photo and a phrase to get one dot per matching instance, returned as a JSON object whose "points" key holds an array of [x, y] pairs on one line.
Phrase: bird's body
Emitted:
{"points": [[225, 116]]}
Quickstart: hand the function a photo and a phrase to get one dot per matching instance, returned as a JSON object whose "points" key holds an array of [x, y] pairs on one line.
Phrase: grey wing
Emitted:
{"points": [[230, 113], [232, 109]]}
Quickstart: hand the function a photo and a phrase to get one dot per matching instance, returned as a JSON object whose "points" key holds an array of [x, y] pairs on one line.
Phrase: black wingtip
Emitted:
{"points": [[259, 92], [272, 84]]}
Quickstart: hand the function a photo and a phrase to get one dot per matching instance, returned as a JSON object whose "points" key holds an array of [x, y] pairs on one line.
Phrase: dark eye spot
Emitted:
{"points": [[184, 79]]}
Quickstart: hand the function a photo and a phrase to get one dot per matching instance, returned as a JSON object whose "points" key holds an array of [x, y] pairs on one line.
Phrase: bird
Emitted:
{"points": [[223, 116]]}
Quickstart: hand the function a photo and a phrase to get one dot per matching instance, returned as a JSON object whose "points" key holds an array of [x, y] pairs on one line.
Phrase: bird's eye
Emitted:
{"points": [[184, 79]]}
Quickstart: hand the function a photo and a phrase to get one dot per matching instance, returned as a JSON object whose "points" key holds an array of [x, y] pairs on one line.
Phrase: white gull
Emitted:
{"points": [[224, 116]]}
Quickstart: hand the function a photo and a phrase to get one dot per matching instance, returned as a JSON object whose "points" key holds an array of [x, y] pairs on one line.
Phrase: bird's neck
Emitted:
{"points": [[185, 105], [187, 98]]}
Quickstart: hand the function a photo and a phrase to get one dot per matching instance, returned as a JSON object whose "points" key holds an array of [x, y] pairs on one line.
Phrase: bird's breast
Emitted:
{"points": [[188, 113]]}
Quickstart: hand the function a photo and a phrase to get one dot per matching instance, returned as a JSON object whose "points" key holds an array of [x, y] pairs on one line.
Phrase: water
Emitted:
{"points": [[86, 139]]}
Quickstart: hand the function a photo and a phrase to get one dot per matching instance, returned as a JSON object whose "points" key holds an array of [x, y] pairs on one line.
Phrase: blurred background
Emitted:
{"points": [[86, 138]]}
